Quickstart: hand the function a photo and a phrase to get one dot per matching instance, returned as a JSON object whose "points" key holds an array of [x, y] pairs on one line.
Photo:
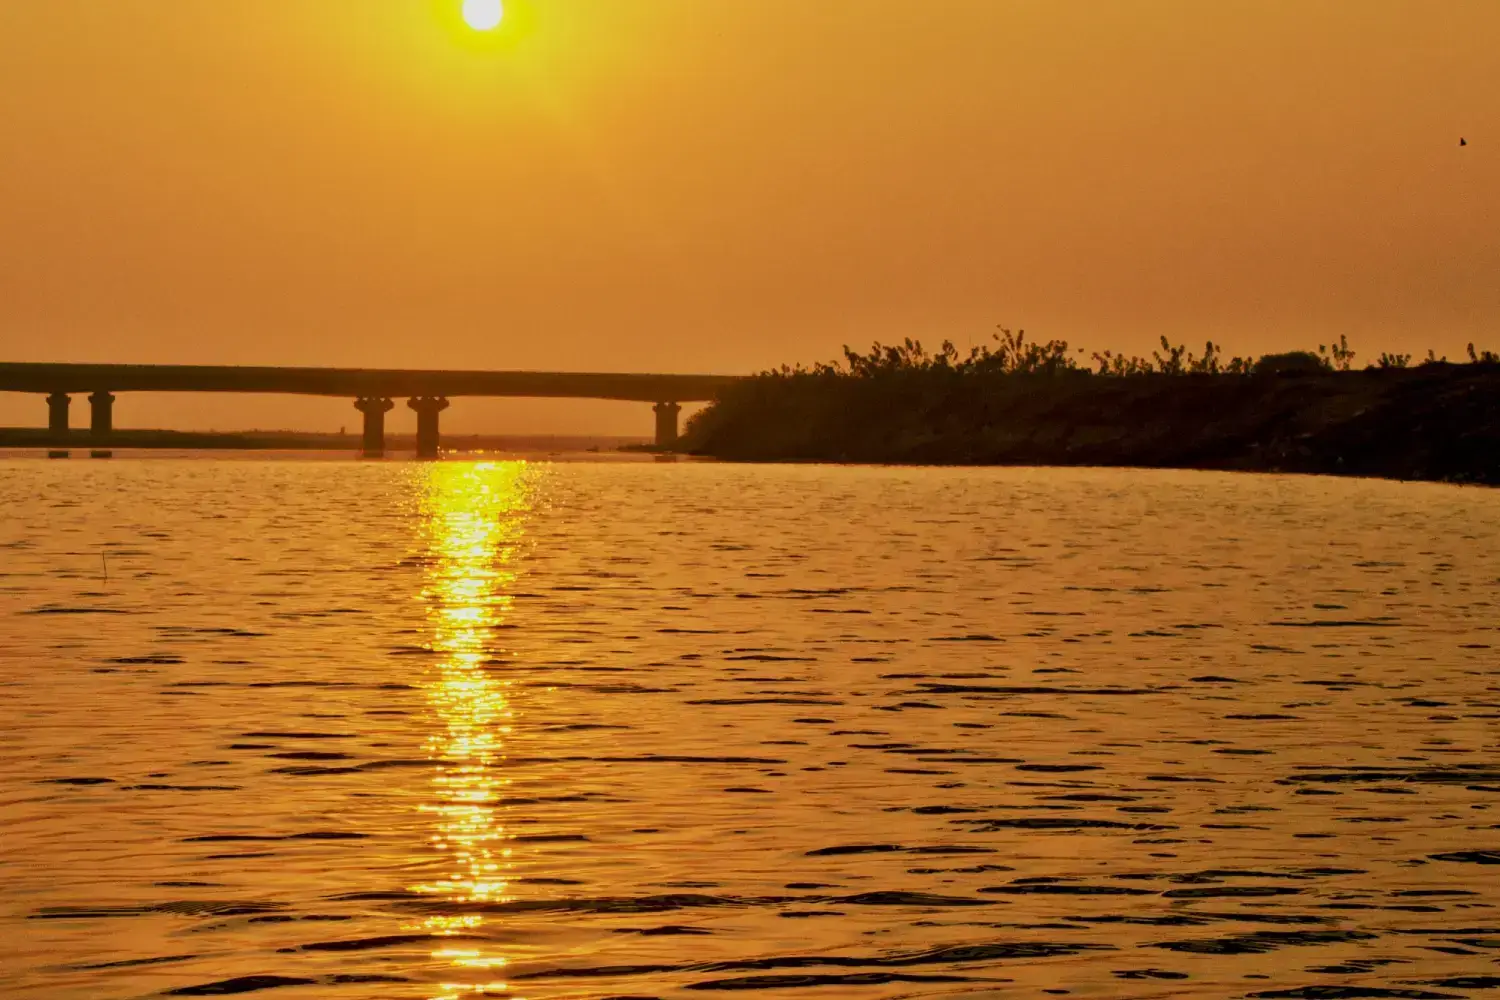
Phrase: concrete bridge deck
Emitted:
{"points": [[371, 389], [354, 382]]}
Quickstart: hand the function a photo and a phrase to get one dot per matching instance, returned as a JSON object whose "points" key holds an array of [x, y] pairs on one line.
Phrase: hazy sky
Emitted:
{"points": [[725, 185]]}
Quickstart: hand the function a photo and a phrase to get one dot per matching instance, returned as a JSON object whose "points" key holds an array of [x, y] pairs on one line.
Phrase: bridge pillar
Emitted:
{"points": [[101, 415], [666, 425], [57, 414], [374, 408], [428, 408]]}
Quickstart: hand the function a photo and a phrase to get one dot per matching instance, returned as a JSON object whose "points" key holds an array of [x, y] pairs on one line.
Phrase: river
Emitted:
{"points": [[604, 729]]}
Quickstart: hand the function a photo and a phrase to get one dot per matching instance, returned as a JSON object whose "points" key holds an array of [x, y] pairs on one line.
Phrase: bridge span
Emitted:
{"points": [[373, 391]]}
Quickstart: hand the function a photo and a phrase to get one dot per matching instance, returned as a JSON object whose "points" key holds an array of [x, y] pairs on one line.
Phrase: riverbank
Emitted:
{"points": [[1432, 422], [25, 437]]}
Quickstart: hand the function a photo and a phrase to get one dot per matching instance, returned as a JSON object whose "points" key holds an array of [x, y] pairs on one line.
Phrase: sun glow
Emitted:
{"points": [[483, 15]]}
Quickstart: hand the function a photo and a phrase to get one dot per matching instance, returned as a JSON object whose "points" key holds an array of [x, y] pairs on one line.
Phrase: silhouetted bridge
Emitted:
{"points": [[373, 391]]}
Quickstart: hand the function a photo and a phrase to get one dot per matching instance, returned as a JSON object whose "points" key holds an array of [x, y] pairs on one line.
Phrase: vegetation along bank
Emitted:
{"points": [[1024, 402]]}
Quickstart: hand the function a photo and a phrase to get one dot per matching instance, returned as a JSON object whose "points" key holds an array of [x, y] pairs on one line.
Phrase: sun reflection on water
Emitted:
{"points": [[474, 516]]}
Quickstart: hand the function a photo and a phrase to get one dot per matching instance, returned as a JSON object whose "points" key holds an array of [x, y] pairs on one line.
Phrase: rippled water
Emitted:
{"points": [[593, 730]]}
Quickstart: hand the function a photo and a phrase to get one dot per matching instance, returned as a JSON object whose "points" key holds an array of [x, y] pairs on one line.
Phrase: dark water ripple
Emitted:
{"points": [[594, 730]]}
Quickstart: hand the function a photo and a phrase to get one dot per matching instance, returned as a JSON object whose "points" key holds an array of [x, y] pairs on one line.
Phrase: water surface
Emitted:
{"points": [[388, 730]]}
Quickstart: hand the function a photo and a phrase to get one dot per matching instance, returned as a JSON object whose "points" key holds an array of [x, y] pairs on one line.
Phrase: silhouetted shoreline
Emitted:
{"points": [[1437, 421], [21, 437]]}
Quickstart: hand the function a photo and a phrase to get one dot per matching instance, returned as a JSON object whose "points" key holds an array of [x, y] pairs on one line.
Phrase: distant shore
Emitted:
{"points": [[1435, 422], [17, 437]]}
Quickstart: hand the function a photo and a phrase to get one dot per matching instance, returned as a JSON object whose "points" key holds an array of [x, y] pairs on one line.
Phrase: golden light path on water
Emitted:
{"points": [[474, 517]]}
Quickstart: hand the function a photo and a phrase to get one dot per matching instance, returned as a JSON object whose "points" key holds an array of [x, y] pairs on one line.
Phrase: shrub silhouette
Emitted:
{"points": [[1292, 363], [1017, 400]]}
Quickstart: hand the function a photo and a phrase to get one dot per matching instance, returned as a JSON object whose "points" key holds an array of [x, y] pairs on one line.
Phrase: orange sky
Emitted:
{"points": [[724, 185]]}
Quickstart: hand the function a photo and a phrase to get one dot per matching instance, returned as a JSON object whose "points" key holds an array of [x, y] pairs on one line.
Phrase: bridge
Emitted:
{"points": [[372, 390]]}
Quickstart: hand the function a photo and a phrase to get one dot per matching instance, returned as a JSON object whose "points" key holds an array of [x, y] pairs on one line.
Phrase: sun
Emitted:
{"points": [[483, 15]]}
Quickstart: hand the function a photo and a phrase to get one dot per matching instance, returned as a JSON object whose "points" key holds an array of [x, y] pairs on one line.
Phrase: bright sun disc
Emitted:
{"points": [[483, 15]]}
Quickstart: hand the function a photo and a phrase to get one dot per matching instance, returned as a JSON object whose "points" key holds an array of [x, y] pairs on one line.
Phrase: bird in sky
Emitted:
{"points": [[1462, 141]]}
